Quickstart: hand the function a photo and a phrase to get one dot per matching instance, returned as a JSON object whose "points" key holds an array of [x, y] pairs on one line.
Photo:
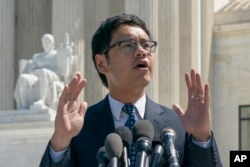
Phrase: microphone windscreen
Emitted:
{"points": [[143, 128], [101, 155], [125, 134], [113, 145]]}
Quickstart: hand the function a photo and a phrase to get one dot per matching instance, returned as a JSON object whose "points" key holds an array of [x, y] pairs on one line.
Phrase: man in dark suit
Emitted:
{"points": [[122, 50]]}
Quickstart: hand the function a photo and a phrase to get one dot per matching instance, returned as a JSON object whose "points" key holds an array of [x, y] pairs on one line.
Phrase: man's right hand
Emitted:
{"points": [[70, 117]]}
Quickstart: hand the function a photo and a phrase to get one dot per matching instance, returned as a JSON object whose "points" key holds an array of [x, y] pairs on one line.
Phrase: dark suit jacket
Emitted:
{"points": [[99, 123]]}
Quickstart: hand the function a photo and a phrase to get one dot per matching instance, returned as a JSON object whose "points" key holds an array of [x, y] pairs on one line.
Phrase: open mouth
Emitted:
{"points": [[142, 65]]}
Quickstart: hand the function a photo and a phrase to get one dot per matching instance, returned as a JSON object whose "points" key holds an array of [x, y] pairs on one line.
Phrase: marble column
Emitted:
{"points": [[206, 10], [7, 54], [221, 115], [189, 43], [95, 91], [168, 53], [68, 17], [33, 19]]}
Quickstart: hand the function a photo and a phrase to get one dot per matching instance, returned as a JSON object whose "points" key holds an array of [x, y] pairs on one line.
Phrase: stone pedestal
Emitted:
{"points": [[24, 136]]}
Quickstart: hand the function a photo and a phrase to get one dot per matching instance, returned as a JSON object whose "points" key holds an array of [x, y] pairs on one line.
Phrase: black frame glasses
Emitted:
{"points": [[129, 47]]}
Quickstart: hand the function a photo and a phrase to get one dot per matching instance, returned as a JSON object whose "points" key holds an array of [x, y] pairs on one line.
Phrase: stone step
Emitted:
{"points": [[18, 116], [25, 136], [26, 125], [29, 132]]}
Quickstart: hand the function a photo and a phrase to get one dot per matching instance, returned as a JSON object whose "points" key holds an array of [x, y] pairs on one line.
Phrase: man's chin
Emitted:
{"points": [[145, 82]]}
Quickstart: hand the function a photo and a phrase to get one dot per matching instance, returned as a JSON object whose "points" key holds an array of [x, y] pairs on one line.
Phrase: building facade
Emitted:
{"points": [[212, 37]]}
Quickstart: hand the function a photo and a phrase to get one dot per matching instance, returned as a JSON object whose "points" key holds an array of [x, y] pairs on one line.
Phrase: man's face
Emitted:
{"points": [[126, 70]]}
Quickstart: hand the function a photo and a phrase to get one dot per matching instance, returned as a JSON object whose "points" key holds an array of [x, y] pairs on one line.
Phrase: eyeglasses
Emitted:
{"points": [[129, 47]]}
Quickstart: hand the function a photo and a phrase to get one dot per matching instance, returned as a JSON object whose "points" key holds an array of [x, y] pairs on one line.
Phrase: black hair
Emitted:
{"points": [[103, 35]]}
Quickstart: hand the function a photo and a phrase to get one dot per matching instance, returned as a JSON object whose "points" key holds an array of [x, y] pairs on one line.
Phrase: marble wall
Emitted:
{"points": [[231, 75]]}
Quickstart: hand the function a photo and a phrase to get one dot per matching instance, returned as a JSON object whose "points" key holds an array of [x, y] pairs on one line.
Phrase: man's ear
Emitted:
{"points": [[101, 63]]}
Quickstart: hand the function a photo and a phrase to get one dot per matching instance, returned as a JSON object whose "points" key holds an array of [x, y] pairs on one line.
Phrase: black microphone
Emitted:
{"points": [[101, 157], [157, 154], [143, 133], [113, 149], [168, 137], [127, 137]]}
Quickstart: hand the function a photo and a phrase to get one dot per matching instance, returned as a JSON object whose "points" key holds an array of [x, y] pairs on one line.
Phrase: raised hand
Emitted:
{"points": [[70, 116], [196, 119]]}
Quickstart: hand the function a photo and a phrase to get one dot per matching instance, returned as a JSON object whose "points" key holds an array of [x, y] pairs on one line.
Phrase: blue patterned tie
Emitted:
{"points": [[128, 108]]}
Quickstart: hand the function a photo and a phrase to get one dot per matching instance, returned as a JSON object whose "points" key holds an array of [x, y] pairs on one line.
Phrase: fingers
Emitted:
{"points": [[189, 85], [194, 85], [68, 89], [83, 108], [73, 85], [207, 96], [77, 90], [71, 92], [177, 109], [200, 89], [63, 97]]}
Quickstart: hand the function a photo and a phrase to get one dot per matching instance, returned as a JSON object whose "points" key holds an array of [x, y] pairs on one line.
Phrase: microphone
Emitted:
{"points": [[157, 154], [143, 133], [168, 137], [126, 136], [113, 148], [101, 157]]}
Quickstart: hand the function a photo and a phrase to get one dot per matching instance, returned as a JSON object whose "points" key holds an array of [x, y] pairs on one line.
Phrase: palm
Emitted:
{"points": [[196, 118], [71, 120], [70, 116]]}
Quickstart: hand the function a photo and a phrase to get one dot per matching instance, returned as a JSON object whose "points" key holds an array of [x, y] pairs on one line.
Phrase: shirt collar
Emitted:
{"points": [[116, 106]]}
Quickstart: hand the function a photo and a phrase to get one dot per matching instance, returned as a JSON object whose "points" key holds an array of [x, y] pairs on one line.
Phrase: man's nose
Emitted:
{"points": [[140, 51]]}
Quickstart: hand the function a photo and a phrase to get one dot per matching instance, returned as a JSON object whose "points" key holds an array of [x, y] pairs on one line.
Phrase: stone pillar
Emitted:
{"points": [[206, 45], [206, 37], [168, 57], [68, 17], [220, 103], [153, 89], [95, 90], [189, 46], [7, 54], [33, 20]]}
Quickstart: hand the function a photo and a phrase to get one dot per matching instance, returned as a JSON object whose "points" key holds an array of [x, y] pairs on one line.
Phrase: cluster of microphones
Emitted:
{"points": [[149, 153]]}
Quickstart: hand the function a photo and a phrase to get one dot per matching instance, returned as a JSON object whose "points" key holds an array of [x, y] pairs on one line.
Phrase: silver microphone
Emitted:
{"points": [[168, 137]]}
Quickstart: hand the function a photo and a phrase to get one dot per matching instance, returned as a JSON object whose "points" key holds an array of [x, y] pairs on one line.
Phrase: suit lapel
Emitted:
{"points": [[154, 113], [102, 121]]}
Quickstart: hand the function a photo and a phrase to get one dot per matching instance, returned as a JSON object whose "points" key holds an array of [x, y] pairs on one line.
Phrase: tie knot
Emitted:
{"points": [[128, 108]]}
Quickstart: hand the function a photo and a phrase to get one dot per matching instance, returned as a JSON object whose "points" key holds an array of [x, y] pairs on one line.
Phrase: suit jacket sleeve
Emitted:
{"points": [[202, 157], [46, 160]]}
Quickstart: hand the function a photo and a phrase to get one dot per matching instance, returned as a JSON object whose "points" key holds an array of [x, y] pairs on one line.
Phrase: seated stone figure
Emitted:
{"points": [[43, 81]]}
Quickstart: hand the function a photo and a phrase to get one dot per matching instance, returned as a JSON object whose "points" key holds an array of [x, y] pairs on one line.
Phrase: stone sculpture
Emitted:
{"points": [[43, 77]]}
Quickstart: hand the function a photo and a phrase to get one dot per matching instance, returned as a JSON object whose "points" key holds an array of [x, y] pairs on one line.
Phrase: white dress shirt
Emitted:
{"points": [[121, 117]]}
